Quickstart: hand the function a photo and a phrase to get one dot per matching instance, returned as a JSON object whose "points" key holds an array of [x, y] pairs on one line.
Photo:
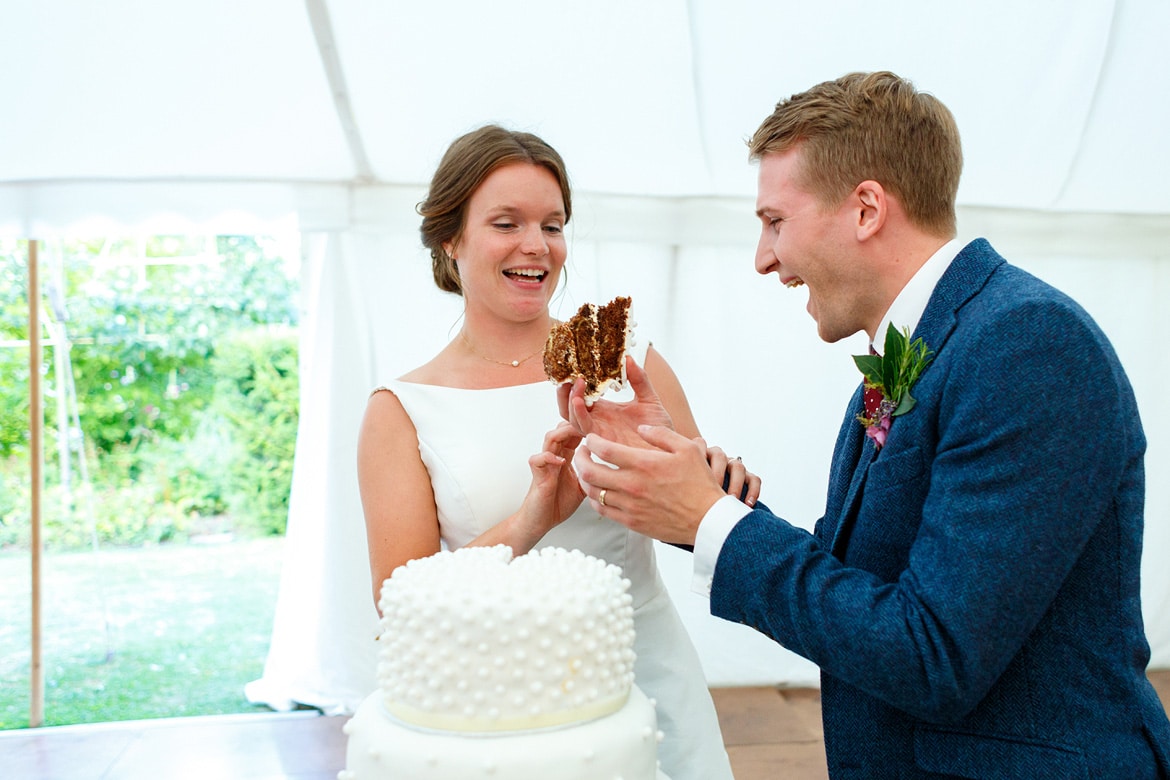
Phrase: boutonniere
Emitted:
{"points": [[888, 379]]}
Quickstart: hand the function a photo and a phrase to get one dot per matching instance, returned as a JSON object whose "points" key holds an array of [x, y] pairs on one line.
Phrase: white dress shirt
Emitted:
{"points": [[904, 312]]}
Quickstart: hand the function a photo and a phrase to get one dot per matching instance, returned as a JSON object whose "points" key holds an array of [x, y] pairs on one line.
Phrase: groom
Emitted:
{"points": [[971, 594]]}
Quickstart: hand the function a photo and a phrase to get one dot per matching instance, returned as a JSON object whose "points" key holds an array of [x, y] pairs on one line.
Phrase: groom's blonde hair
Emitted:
{"points": [[872, 126]]}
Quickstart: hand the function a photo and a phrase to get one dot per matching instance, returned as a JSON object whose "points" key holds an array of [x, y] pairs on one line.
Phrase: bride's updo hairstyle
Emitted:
{"points": [[469, 160]]}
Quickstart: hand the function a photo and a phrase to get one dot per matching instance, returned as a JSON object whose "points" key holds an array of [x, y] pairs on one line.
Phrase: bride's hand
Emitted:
{"points": [[733, 475], [611, 420], [555, 492]]}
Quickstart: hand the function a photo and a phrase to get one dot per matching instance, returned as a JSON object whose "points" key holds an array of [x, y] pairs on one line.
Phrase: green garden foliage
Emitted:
{"points": [[257, 396], [13, 362], [149, 326]]}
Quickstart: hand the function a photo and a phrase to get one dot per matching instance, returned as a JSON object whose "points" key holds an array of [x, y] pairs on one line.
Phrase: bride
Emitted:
{"points": [[444, 451]]}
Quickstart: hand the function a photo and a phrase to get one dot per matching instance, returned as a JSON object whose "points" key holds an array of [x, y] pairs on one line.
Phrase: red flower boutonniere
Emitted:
{"points": [[888, 379]]}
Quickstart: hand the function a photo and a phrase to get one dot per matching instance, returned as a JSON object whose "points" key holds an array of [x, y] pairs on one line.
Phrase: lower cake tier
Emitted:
{"points": [[621, 746]]}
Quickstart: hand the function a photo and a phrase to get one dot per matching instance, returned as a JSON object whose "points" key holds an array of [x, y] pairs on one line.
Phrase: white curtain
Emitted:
{"points": [[323, 651], [761, 383], [332, 120]]}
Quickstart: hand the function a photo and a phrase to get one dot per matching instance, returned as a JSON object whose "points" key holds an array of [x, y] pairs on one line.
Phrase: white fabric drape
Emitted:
{"points": [[323, 652], [761, 383], [172, 118]]}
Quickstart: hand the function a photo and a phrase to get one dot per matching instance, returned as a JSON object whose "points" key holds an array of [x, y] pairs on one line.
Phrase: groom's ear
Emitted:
{"points": [[871, 207]]}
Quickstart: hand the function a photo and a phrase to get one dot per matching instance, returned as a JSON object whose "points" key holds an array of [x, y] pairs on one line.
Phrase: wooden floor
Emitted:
{"points": [[769, 733]]}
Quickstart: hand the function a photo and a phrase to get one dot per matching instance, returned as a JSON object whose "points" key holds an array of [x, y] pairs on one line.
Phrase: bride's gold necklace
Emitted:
{"points": [[512, 363]]}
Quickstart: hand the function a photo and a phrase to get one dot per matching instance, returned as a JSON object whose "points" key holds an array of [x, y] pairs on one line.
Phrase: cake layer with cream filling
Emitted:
{"points": [[591, 344]]}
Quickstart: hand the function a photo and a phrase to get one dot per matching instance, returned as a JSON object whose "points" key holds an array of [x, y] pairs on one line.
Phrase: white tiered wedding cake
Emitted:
{"points": [[508, 669]]}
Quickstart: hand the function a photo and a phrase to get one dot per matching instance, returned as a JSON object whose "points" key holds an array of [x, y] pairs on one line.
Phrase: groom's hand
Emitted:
{"points": [[615, 421], [661, 488]]}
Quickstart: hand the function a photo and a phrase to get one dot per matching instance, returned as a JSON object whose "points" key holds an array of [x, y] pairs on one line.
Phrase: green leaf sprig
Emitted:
{"points": [[895, 372]]}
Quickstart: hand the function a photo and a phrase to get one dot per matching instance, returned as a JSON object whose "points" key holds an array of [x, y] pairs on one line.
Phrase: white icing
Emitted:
{"points": [[502, 668], [471, 642], [622, 745]]}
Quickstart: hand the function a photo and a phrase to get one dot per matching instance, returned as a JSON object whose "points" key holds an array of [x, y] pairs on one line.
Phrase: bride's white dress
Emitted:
{"points": [[476, 444]]}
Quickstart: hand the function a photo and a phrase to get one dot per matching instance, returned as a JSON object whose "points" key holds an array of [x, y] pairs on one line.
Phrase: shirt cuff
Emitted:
{"points": [[713, 531]]}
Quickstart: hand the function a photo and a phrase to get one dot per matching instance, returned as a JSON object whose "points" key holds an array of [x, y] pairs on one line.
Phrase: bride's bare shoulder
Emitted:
{"points": [[384, 411], [443, 369]]}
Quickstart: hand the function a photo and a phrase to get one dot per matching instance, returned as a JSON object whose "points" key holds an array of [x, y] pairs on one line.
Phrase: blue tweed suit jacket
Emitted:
{"points": [[971, 594]]}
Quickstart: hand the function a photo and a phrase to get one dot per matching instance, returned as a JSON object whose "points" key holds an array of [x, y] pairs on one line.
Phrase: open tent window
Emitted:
{"points": [[170, 377]]}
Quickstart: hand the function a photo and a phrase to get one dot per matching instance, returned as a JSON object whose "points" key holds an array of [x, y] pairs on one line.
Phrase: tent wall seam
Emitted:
{"points": [[327, 47], [1094, 99], [697, 90]]}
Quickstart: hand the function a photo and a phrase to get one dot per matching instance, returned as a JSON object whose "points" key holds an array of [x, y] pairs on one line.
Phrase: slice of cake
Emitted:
{"points": [[505, 669], [592, 344]]}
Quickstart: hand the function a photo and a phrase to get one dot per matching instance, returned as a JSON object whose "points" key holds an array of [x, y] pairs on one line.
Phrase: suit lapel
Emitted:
{"points": [[853, 458], [967, 274], [852, 496]]}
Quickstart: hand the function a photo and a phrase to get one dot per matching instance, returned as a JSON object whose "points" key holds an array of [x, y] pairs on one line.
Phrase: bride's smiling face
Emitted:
{"points": [[512, 247]]}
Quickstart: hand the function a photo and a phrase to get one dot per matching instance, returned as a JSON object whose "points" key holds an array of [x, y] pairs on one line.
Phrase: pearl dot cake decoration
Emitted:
{"points": [[500, 668], [553, 643]]}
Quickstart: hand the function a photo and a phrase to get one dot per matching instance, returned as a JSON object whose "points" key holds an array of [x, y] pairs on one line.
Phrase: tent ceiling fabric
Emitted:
{"points": [[329, 116], [649, 98]]}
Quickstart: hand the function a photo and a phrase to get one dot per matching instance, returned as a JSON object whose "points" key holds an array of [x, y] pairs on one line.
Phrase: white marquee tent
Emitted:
{"points": [[327, 117]]}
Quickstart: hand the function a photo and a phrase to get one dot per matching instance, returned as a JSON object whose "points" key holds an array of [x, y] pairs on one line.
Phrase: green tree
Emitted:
{"points": [[257, 396], [13, 361], [144, 321]]}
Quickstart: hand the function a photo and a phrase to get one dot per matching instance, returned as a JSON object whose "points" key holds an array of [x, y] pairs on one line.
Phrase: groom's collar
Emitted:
{"points": [[907, 308]]}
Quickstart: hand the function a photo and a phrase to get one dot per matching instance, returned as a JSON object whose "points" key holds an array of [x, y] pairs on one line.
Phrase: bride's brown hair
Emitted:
{"points": [[469, 160]]}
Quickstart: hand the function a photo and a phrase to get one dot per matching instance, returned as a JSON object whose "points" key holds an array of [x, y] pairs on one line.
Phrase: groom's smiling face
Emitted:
{"points": [[807, 243]]}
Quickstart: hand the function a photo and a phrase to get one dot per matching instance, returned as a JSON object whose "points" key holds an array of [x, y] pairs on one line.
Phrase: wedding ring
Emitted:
{"points": [[601, 497]]}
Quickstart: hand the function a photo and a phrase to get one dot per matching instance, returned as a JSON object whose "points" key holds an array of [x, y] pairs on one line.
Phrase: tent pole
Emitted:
{"points": [[36, 713]]}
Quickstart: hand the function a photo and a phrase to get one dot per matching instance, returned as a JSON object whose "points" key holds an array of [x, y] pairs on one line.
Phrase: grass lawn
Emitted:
{"points": [[166, 631]]}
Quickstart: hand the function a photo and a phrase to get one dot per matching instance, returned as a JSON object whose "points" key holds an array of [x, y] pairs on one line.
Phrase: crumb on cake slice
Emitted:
{"points": [[591, 344]]}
